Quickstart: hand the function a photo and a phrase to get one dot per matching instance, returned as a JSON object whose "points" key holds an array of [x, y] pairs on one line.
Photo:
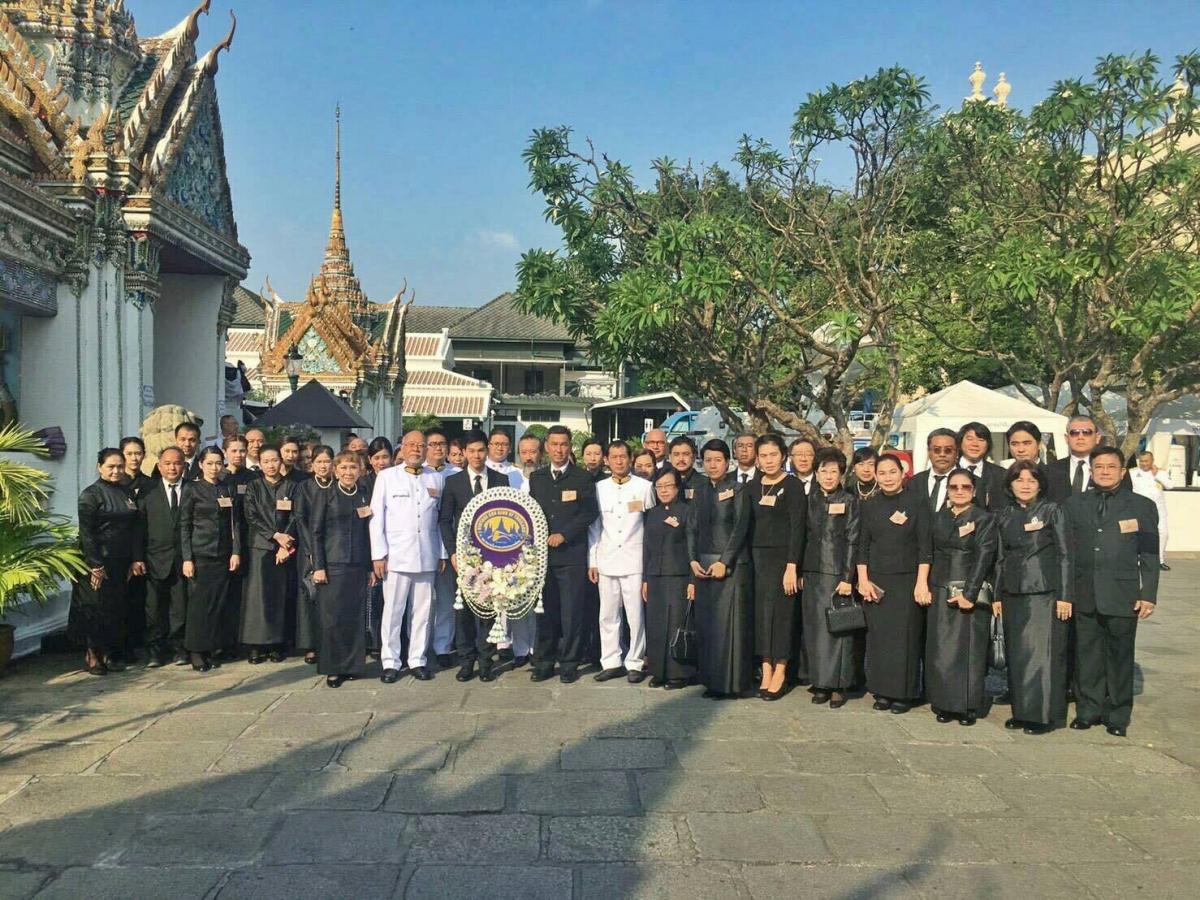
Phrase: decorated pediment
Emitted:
{"points": [[317, 358], [196, 181]]}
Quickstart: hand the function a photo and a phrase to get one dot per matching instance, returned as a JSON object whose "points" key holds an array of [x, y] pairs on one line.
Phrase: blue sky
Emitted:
{"points": [[439, 96]]}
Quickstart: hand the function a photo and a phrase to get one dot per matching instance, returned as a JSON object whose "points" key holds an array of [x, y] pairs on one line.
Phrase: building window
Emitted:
{"points": [[535, 381], [481, 374], [539, 415]]}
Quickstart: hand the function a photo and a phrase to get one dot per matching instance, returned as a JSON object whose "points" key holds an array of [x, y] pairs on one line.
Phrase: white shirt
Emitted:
{"points": [[745, 476], [511, 472], [807, 482], [937, 490], [615, 537], [975, 468], [404, 519], [1073, 464]]}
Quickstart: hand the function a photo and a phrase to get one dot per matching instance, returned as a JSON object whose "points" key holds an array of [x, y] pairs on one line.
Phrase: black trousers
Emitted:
{"points": [[564, 617], [166, 610], [470, 636], [1104, 667]]}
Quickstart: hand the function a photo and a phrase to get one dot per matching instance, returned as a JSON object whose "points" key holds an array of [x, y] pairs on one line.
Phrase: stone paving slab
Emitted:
{"points": [[312, 882]]}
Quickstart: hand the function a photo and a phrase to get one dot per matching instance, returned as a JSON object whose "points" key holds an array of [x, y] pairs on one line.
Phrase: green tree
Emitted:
{"points": [[773, 292], [420, 423], [1062, 245]]}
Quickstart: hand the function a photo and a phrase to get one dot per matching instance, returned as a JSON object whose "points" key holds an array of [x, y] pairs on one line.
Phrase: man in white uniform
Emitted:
{"points": [[406, 547], [1150, 481], [615, 564], [441, 629], [499, 445]]}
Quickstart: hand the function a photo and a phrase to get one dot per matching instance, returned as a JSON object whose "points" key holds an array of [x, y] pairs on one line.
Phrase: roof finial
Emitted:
{"points": [[337, 182]]}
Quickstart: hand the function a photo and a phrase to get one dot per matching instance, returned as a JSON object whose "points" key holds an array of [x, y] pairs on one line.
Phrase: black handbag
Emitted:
{"points": [[685, 643], [846, 614], [983, 600], [997, 657]]}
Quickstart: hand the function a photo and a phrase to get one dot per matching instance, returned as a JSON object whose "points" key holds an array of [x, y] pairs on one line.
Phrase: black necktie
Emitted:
{"points": [[174, 499], [1077, 480], [745, 477], [478, 486], [1102, 505], [937, 489], [557, 474]]}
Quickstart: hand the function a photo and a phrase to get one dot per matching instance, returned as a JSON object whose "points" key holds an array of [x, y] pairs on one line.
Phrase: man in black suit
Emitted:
{"points": [[1113, 537], [975, 442], [162, 560], [1072, 474], [942, 449], [567, 495], [470, 631]]}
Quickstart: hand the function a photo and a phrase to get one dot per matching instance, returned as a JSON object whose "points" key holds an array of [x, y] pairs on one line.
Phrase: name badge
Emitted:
{"points": [[1129, 526], [1034, 525], [284, 505], [634, 506], [364, 512], [725, 495], [130, 504], [241, 489], [433, 492], [225, 502], [768, 500], [837, 509], [672, 521], [898, 518], [689, 494], [568, 496], [964, 530]]}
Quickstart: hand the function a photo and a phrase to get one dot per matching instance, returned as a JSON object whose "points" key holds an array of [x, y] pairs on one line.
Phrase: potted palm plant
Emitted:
{"points": [[38, 551]]}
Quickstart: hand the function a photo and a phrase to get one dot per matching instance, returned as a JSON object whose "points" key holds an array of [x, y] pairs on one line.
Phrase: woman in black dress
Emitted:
{"points": [[212, 548], [965, 542], [895, 552], [135, 480], [830, 554], [667, 588], [238, 476], [1033, 577], [272, 528], [308, 620], [724, 607], [341, 545], [379, 455], [109, 539], [777, 548]]}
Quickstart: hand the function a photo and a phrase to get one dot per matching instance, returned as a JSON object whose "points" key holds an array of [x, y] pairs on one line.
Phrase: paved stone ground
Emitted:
{"points": [[260, 782]]}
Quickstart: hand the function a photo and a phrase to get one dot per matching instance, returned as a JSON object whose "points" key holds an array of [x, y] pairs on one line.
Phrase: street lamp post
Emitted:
{"points": [[293, 364]]}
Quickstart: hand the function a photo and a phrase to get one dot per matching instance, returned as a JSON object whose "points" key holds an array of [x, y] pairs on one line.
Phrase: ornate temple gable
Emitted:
{"points": [[196, 181], [317, 358], [346, 343]]}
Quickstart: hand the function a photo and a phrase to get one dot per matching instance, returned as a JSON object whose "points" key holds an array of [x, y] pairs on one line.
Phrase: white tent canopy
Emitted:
{"points": [[965, 402]]}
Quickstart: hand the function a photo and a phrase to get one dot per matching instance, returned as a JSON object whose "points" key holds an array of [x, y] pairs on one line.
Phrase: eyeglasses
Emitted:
{"points": [[961, 487], [942, 451], [1081, 432]]}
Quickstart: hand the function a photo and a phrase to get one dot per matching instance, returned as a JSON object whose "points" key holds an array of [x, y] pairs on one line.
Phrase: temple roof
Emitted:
{"points": [[251, 309]]}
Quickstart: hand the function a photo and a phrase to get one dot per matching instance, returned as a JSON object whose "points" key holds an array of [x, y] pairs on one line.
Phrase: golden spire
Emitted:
{"points": [[336, 249], [337, 181]]}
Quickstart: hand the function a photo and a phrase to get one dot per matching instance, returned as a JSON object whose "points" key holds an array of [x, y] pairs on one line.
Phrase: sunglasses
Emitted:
{"points": [[942, 451], [1081, 432], [961, 487]]}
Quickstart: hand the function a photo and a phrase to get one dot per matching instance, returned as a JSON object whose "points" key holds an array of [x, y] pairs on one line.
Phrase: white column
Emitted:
{"points": [[189, 350]]}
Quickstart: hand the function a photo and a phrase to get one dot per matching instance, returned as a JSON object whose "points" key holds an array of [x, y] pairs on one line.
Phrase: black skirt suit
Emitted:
{"points": [[269, 509], [110, 537], [210, 534], [341, 545], [666, 572], [778, 541], [830, 557]]}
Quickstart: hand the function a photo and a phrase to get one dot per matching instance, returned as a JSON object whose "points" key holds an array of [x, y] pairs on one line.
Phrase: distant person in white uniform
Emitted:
{"points": [[1150, 481], [499, 446], [615, 564], [406, 547], [445, 586]]}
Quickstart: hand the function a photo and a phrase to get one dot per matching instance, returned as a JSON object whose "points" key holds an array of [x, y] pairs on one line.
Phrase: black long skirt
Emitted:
{"points": [[342, 648], [833, 659], [231, 612], [895, 638], [774, 611], [725, 622], [206, 596], [1035, 644], [666, 609], [97, 618], [308, 616], [956, 656], [264, 600]]}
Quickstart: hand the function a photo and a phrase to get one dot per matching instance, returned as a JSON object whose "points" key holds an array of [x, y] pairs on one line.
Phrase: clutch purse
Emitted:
{"points": [[846, 614], [983, 600]]}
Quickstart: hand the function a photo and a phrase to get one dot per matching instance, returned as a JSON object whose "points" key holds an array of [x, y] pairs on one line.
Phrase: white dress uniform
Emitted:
{"points": [[445, 586], [404, 529], [1152, 486], [615, 549], [515, 478]]}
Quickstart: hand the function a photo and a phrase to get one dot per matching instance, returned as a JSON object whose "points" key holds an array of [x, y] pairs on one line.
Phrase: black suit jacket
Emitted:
{"points": [[162, 550], [1058, 474], [1034, 554], [920, 484], [456, 494], [1115, 559], [567, 515], [989, 487]]}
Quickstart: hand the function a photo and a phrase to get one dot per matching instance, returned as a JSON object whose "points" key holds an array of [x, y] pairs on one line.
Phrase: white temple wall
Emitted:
{"points": [[189, 349]]}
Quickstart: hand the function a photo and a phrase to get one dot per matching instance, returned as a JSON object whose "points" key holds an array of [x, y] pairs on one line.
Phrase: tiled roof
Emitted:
{"points": [[439, 378], [244, 342], [452, 406], [432, 319], [500, 320], [250, 309], [415, 346]]}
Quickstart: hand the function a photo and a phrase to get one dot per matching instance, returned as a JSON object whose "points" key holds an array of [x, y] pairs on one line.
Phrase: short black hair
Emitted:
{"points": [[862, 454], [941, 432], [717, 445], [474, 436], [831, 455], [772, 439], [104, 454], [981, 431], [802, 440], [210, 450], [499, 432], [126, 441], [682, 441], [1026, 465], [325, 449], [379, 443], [430, 432], [612, 445], [289, 439], [187, 426], [597, 442], [890, 457], [1106, 450], [558, 429], [668, 472], [1028, 427]]}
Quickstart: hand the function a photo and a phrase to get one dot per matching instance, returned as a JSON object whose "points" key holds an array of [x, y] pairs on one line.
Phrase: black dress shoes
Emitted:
{"points": [[657, 682], [334, 681], [487, 673], [1014, 724], [1037, 729], [181, 659], [1115, 730], [1079, 724], [610, 674], [255, 659], [444, 660], [819, 697], [277, 656], [568, 676], [899, 708], [519, 661], [881, 704], [675, 684], [1164, 567], [155, 662], [636, 677], [837, 701], [467, 672], [541, 673], [968, 721], [943, 718], [422, 673], [390, 676]]}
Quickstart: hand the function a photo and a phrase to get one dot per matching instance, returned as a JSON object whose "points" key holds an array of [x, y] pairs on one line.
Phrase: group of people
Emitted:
{"points": [[791, 566]]}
